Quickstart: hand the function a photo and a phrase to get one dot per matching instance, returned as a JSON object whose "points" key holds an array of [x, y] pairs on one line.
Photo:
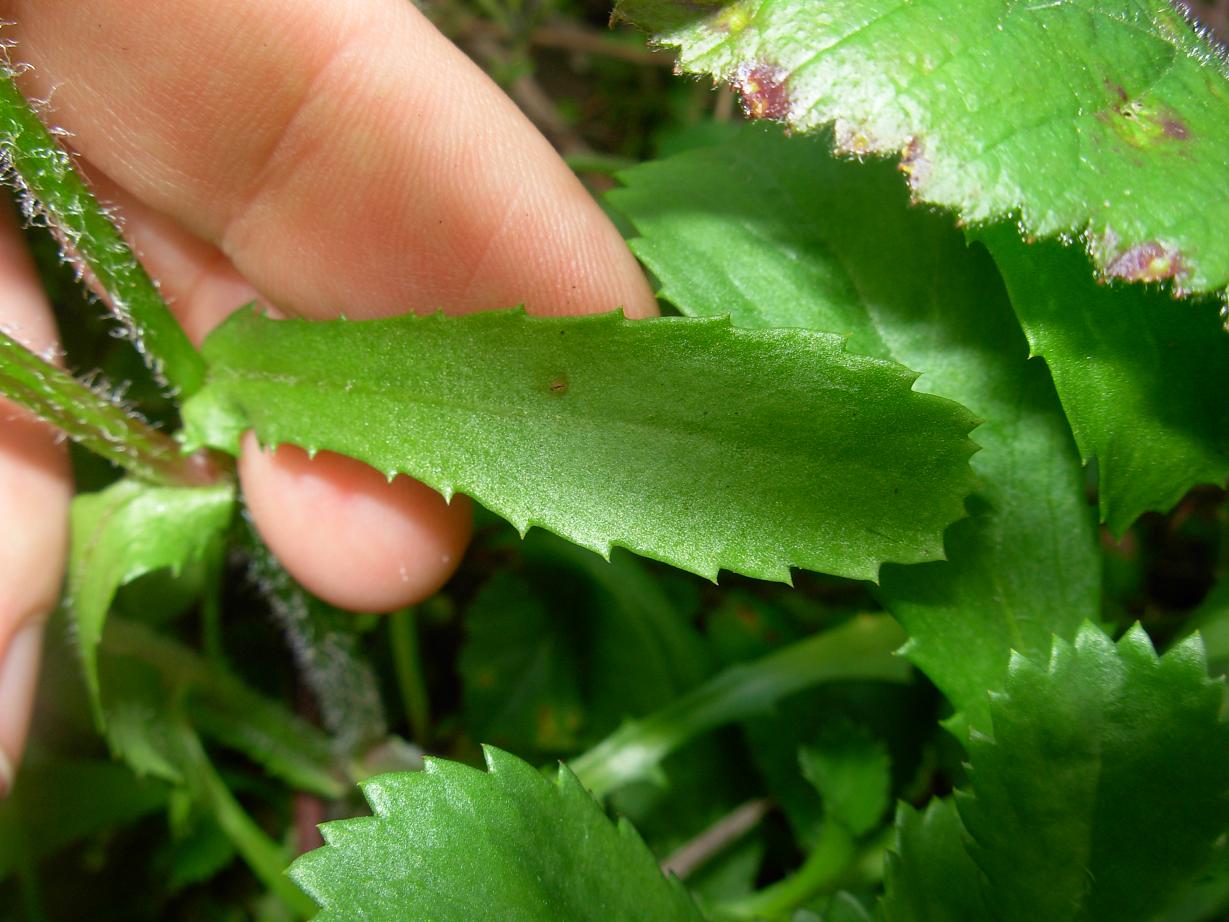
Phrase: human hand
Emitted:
{"points": [[318, 157]]}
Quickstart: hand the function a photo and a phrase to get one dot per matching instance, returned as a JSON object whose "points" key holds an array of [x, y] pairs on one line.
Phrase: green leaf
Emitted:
{"points": [[928, 874], [799, 238], [455, 843], [220, 707], [1136, 370], [1100, 117], [851, 771], [128, 530], [521, 670], [767, 450], [1104, 787], [860, 649]]}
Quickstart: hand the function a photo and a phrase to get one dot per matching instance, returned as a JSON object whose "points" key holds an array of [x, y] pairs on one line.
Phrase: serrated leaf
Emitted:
{"points": [[767, 450], [928, 874], [127, 530], [1104, 787], [1106, 118], [1139, 375], [798, 238], [455, 843]]}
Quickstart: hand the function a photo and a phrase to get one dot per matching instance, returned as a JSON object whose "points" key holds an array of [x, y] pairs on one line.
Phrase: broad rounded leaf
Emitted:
{"points": [[1140, 375], [800, 238], [683, 440], [1106, 118], [454, 844]]}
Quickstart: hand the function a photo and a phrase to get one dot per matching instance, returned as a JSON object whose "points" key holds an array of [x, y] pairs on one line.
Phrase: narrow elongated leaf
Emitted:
{"points": [[455, 843], [860, 649], [687, 441], [798, 238], [1139, 375], [1104, 787], [1106, 118], [126, 531]]}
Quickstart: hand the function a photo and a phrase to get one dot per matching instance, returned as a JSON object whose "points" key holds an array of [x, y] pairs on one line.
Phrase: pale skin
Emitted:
{"points": [[318, 156]]}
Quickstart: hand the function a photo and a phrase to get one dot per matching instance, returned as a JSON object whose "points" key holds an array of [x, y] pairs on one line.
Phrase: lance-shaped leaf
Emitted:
{"points": [[1104, 788], [455, 843], [1141, 376], [683, 440], [799, 238], [127, 530], [1107, 118]]}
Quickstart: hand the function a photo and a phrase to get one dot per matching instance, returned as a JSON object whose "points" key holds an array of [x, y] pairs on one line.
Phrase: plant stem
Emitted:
{"points": [[93, 421], [266, 858], [58, 192], [225, 709], [823, 870], [862, 648], [403, 636]]}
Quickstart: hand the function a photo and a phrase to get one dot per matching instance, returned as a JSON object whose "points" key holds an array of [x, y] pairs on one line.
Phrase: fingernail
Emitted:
{"points": [[18, 672]]}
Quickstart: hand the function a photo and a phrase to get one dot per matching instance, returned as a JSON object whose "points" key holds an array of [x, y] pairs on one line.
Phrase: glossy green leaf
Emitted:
{"points": [[455, 843], [798, 238], [928, 874], [687, 441], [128, 530], [1107, 118], [1103, 789], [1139, 375]]}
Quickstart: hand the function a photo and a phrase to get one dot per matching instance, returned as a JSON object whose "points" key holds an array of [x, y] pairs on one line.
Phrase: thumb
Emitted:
{"points": [[35, 486]]}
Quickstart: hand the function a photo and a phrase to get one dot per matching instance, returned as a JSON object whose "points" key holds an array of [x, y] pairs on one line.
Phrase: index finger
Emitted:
{"points": [[344, 156]]}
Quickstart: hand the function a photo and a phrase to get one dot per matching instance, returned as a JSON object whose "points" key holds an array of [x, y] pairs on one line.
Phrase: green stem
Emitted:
{"points": [[46, 172], [862, 648], [226, 710], [403, 636], [823, 870], [101, 426], [266, 858]]}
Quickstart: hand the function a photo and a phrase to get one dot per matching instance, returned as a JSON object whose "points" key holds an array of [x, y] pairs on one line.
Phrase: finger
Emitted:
{"points": [[338, 526], [346, 156], [35, 486]]}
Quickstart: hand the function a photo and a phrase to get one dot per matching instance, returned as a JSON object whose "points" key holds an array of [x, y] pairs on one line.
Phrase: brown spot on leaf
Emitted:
{"points": [[1150, 261], [1175, 128], [559, 385], [763, 90], [915, 164]]}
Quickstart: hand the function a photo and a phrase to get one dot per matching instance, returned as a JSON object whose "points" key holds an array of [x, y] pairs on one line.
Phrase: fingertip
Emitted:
{"points": [[19, 665], [348, 534]]}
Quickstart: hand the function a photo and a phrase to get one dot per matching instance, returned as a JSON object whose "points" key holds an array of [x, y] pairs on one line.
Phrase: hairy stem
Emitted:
{"points": [[862, 648], [96, 423], [45, 171]]}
